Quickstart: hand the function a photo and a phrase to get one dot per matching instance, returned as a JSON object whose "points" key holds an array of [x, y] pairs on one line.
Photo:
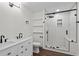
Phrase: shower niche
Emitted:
{"points": [[61, 31], [59, 23]]}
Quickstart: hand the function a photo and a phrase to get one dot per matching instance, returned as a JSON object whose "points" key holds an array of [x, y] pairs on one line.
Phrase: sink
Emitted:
{"points": [[6, 45], [16, 40]]}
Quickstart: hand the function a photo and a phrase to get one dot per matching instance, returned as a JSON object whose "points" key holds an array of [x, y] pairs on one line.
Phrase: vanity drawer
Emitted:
{"points": [[29, 46], [25, 48], [12, 51], [21, 49]]}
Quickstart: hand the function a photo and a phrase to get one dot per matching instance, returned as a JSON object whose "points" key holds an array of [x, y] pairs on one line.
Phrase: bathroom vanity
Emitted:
{"points": [[22, 47]]}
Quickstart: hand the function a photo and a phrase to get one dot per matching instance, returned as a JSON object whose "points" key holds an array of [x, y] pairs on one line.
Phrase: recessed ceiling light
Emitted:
{"points": [[57, 10]]}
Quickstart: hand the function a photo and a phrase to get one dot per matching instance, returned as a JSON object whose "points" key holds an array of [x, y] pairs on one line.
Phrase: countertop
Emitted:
{"points": [[12, 43]]}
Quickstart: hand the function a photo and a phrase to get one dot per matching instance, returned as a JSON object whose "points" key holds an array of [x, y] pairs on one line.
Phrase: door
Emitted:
{"points": [[62, 31], [58, 31], [72, 27]]}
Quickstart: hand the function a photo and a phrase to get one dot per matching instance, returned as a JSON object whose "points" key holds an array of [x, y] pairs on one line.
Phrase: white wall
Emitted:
{"points": [[12, 21], [37, 15]]}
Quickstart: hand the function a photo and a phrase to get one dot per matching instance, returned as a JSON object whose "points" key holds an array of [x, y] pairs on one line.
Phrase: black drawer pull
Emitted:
{"points": [[21, 51], [26, 49], [17, 55], [9, 53], [22, 46], [57, 47]]}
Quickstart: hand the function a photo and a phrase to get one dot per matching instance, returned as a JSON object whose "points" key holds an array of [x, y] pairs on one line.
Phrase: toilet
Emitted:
{"points": [[36, 46]]}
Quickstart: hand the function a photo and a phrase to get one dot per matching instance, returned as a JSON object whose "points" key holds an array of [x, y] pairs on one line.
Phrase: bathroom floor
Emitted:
{"points": [[44, 52]]}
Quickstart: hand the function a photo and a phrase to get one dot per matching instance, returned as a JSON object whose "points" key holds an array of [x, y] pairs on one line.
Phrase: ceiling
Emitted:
{"points": [[39, 6]]}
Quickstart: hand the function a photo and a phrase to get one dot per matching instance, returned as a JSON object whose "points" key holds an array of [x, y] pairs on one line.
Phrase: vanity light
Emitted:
{"points": [[11, 4], [16, 4]]}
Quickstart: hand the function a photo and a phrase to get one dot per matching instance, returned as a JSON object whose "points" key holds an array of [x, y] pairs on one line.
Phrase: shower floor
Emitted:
{"points": [[44, 52]]}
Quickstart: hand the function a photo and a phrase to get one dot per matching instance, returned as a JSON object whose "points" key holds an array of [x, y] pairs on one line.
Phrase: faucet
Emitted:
{"points": [[20, 36], [1, 38]]}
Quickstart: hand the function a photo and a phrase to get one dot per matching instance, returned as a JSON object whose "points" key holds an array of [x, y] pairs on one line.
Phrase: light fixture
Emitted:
{"points": [[11, 4], [57, 10], [16, 4]]}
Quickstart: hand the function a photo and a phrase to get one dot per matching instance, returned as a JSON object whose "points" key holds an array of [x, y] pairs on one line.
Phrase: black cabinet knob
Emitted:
{"points": [[22, 46], [21, 51], [57, 47], [17, 55], [9, 53], [26, 49], [53, 47]]}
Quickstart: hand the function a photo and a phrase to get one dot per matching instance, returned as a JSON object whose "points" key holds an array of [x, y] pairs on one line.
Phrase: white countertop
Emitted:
{"points": [[12, 43]]}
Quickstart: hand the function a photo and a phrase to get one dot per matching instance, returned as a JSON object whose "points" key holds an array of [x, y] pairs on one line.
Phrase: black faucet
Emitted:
{"points": [[20, 35], [1, 38]]}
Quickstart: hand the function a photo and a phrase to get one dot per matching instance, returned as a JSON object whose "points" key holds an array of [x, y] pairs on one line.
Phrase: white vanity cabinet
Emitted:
{"points": [[23, 48]]}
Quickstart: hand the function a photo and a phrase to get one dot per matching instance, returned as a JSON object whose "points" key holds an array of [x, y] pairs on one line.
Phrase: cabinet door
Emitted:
{"points": [[11, 51], [29, 47], [25, 48], [20, 49]]}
